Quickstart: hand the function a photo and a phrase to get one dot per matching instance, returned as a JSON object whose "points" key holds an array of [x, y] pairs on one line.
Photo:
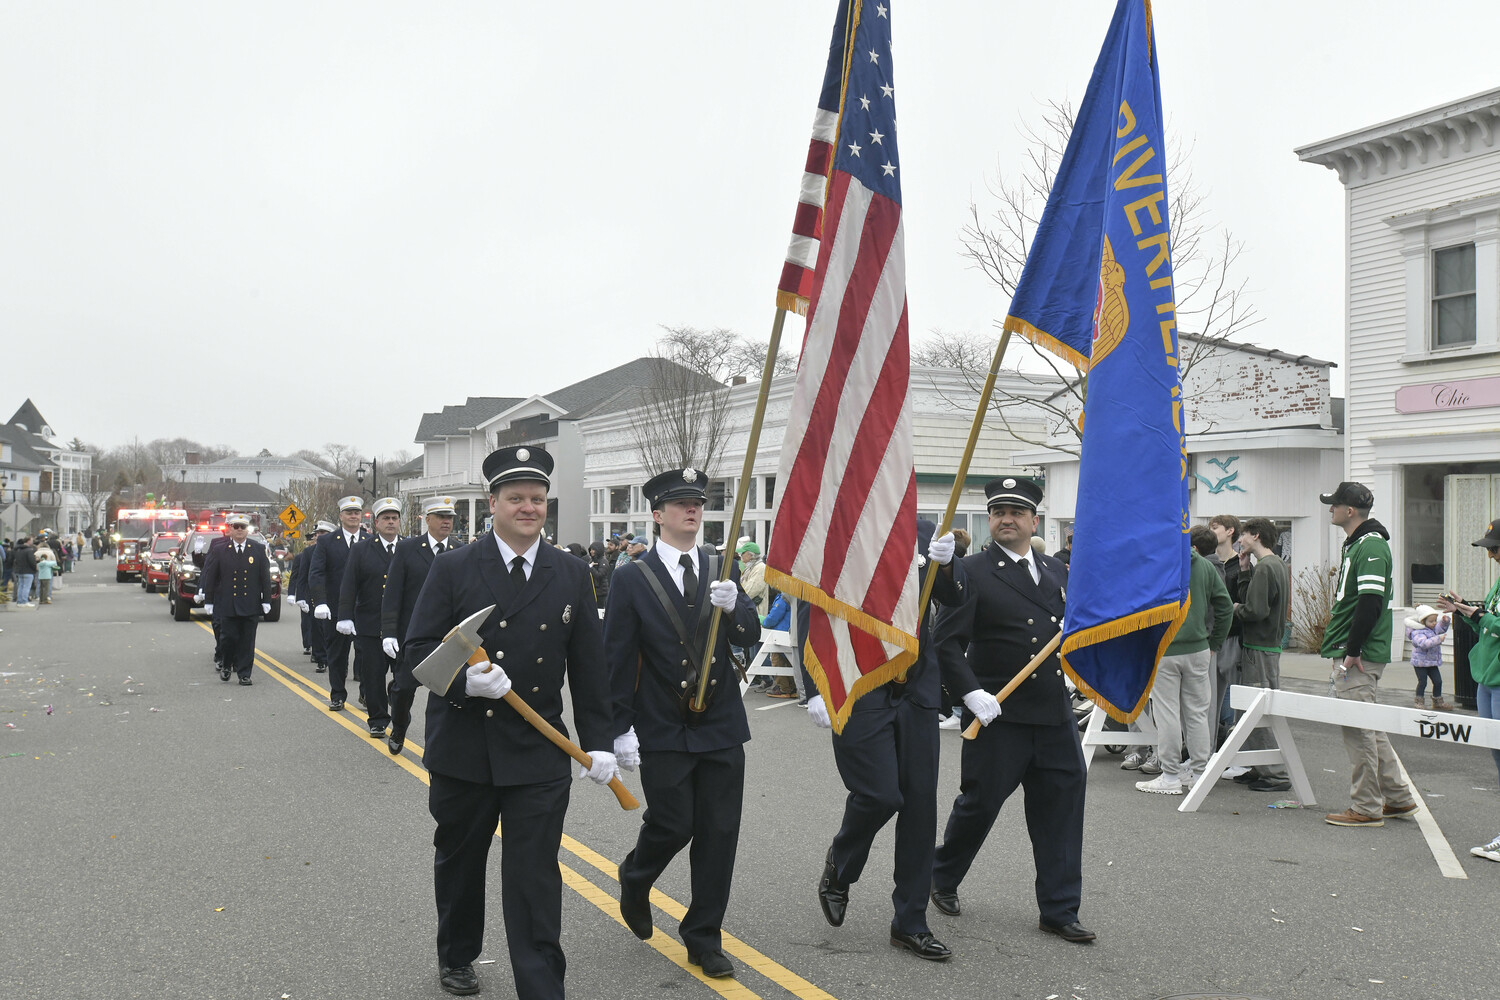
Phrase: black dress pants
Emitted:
{"points": [[237, 643], [1048, 762], [887, 756], [530, 877], [315, 639], [336, 653], [371, 661], [691, 797]]}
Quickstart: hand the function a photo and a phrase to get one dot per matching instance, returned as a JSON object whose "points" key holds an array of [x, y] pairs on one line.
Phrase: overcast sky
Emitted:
{"points": [[282, 224]]}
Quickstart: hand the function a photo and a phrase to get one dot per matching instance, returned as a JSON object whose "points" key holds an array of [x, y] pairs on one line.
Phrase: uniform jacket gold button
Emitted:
{"points": [[535, 690], [500, 654], [1030, 622], [539, 659], [544, 626], [503, 624], [1054, 618], [1033, 638], [489, 713], [1059, 673]]}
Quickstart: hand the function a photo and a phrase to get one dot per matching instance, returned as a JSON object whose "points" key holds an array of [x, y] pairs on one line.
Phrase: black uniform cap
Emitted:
{"points": [[1013, 491], [1491, 539], [1355, 495], [527, 463], [676, 484]]}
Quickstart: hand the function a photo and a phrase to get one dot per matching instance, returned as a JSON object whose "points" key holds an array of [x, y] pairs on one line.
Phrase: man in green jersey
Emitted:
{"points": [[1358, 639]]}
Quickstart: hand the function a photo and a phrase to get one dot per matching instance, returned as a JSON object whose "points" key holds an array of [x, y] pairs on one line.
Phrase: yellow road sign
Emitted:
{"points": [[291, 533], [291, 516]]}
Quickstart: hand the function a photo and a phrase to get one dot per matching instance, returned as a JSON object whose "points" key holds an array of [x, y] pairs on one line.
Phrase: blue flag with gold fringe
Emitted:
{"points": [[1097, 291]]}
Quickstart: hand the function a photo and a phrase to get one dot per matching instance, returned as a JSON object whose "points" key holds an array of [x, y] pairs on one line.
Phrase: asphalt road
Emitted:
{"points": [[167, 835]]}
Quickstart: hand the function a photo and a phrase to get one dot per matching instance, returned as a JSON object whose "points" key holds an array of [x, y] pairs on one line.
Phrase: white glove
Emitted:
{"points": [[984, 706], [345, 626], [391, 647], [818, 712], [198, 597], [322, 613], [265, 609], [940, 549], [210, 609], [605, 768], [628, 749], [722, 594], [303, 605], [492, 683]]}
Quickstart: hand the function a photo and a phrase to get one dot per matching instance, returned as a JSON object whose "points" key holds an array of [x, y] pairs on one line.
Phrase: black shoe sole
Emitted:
{"points": [[943, 909]]}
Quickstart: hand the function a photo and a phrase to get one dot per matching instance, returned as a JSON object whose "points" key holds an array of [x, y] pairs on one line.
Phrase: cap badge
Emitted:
{"points": [[689, 476], [522, 454], [1009, 484]]}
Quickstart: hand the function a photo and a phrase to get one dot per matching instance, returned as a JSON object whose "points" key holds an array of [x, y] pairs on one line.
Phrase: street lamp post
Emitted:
{"points": [[374, 473]]}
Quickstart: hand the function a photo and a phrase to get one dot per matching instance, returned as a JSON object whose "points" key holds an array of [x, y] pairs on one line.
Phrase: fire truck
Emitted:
{"points": [[135, 527]]}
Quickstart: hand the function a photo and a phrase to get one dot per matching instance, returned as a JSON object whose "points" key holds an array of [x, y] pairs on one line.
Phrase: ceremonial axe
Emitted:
{"points": [[460, 648]]}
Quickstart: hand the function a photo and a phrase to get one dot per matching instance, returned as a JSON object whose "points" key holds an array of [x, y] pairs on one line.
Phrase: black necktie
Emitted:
{"points": [[390, 548], [437, 548], [689, 579], [517, 571], [1025, 565]]}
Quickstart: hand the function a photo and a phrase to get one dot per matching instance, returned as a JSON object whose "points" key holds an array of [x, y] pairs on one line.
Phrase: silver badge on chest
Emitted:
{"points": [[567, 614]]}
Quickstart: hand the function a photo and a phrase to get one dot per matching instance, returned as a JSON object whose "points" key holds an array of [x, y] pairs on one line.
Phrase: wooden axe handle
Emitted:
{"points": [[567, 746], [1015, 682]]}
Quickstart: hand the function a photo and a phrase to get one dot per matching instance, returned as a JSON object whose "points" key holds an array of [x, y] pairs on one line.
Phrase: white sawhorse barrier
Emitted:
{"points": [[1272, 709], [775, 641], [1097, 736]]}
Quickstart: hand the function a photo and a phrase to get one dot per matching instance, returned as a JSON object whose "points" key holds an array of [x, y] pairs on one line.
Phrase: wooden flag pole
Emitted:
{"points": [[700, 699], [1015, 682], [963, 465]]}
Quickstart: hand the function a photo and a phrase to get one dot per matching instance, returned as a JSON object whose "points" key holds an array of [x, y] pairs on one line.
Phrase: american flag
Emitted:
{"points": [[845, 533]]}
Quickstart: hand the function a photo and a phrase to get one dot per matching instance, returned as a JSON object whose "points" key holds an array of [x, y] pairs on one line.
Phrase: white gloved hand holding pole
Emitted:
{"points": [[345, 626], [391, 646], [817, 711], [984, 706], [722, 594], [482, 683], [606, 768], [628, 749], [940, 550], [322, 613]]}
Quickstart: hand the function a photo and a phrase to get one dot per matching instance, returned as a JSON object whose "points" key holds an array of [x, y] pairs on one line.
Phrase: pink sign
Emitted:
{"points": [[1456, 394]]}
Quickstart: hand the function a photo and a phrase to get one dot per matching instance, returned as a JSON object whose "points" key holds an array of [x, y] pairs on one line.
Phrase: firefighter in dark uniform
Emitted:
{"points": [[1013, 606], [324, 578], [236, 592], [403, 582], [692, 763], [487, 764], [887, 756], [360, 595], [312, 631], [214, 546]]}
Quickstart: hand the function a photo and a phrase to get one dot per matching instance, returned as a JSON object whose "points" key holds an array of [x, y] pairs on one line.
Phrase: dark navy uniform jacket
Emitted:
{"points": [[237, 584], [325, 574], [545, 634], [1004, 621], [646, 660], [363, 585], [298, 586], [403, 582]]}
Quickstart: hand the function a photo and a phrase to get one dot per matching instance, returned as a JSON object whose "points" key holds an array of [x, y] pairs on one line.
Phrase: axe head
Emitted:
{"points": [[442, 665]]}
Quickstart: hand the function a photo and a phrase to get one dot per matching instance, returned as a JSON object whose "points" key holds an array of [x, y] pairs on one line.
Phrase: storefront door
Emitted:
{"points": [[1472, 502]]}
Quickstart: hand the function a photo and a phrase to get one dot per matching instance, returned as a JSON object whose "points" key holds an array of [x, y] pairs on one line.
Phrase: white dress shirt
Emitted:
{"points": [[509, 555], [1030, 557], [671, 558], [433, 543]]}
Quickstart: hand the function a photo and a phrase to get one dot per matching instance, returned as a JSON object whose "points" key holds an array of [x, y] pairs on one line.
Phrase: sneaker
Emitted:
{"points": [[1162, 784], [1133, 762], [1151, 765], [1351, 818], [1490, 850], [949, 722], [1230, 773], [1188, 781]]}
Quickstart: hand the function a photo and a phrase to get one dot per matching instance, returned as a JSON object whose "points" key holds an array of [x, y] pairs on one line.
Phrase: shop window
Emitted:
{"points": [[1454, 302], [619, 500]]}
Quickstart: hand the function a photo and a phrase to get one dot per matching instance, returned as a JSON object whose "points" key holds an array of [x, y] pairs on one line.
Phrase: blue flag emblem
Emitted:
{"points": [[1097, 291]]}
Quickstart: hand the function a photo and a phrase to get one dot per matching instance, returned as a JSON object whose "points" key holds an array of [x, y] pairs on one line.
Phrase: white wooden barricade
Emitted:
{"points": [[1097, 736], [1271, 709], [776, 641]]}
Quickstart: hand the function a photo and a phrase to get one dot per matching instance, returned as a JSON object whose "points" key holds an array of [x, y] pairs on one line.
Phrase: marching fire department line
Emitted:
{"points": [[673, 950]]}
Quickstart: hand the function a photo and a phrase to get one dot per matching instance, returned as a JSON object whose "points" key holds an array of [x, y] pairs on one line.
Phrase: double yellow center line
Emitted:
{"points": [[673, 950]]}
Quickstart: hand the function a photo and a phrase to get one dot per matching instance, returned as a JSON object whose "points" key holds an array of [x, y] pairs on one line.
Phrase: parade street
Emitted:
{"points": [[169, 835]]}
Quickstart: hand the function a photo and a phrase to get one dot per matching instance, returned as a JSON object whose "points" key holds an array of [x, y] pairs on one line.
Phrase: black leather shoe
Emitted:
{"points": [[946, 902], [223, 673], [459, 980], [1270, 785], [245, 682], [715, 964], [923, 945], [833, 895], [307, 651], [362, 702], [1075, 932], [395, 743], [635, 908], [320, 669], [337, 705]]}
